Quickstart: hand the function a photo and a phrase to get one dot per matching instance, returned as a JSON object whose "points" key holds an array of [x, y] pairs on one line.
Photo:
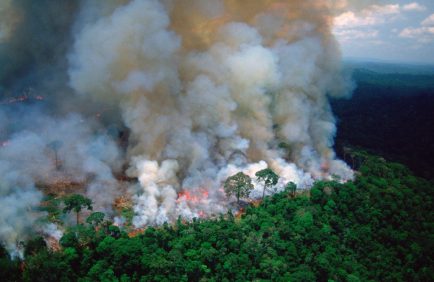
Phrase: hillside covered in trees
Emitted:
{"points": [[390, 114], [378, 228], [163, 140]]}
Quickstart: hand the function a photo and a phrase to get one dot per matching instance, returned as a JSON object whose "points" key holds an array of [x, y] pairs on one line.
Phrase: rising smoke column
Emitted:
{"points": [[56, 139], [206, 88], [210, 87], [34, 38], [29, 159]]}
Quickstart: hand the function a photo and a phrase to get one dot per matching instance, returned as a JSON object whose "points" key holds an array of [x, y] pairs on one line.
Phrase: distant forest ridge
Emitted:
{"points": [[390, 113], [390, 68]]}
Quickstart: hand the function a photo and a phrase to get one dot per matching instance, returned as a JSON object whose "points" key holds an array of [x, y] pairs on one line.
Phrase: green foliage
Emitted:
{"points": [[391, 116], [50, 205], [34, 246], [95, 218], [286, 148], [9, 269], [128, 214], [378, 228], [76, 203], [269, 178], [291, 189], [239, 185]]}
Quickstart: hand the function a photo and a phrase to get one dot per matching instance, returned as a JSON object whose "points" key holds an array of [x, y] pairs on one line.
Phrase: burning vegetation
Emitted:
{"points": [[147, 107]]}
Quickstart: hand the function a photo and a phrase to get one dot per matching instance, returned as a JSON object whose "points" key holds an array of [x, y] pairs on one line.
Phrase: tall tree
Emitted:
{"points": [[76, 203], [268, 177], [239, 185], [291, 188], [95, 218], [55, 146]]}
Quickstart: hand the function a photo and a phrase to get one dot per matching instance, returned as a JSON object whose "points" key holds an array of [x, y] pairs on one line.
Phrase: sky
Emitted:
{"points": [[390, 30]]}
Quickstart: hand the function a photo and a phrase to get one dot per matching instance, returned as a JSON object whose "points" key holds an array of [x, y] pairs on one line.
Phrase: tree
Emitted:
{"points": [[268, 177], [76, 203], [50, 205], [95, 218], [55, 146], [239, 185], [34, 246], [291, 188]]}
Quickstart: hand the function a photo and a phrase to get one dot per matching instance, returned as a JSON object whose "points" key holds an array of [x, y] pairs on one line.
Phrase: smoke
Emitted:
{"points": [[200, 81], [205, 88], [9, 18], [34, 38], [45, 152]]}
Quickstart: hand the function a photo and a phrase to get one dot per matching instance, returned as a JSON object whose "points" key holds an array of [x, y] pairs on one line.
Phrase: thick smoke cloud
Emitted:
{"points": [[43, 151], [34, 38], [204, 88], [201, 81]]}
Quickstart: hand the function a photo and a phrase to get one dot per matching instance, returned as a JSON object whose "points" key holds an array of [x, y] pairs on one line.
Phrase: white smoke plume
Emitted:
{"points": [[205, 89], [43, 151], [208, 88], [8, 19]]}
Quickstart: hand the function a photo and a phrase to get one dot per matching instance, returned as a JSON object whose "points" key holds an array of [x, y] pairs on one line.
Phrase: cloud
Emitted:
{"points": [[416, 32], [350, 19], [373, 15], [365, 23], [424, 33], [351, 34], [361, 24], [429, 21], [414, 7]]}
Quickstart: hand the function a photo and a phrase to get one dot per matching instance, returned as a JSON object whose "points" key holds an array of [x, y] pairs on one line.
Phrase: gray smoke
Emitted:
{"points": [[43, 151], [196, 87], [205, 89]]}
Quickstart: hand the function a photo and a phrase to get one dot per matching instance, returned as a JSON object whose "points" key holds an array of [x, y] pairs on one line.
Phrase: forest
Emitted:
{"points": [[390, 114], [379, 227], [187, 140]]}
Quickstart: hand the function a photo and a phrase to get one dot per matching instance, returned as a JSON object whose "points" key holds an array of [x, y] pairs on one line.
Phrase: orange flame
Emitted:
{"points": [[193, 197], [21, 99]]}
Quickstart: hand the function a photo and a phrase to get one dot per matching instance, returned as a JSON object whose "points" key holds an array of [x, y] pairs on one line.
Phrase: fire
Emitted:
{"points": [[193, 197], [325, 166], [205, 193], [136, 232], [239, 213], [201, 214], [14, 100], [21, 99]]}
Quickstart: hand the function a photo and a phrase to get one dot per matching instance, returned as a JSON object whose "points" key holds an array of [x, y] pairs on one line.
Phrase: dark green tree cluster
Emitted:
{"points": [[378, 228], [76, 203], [268, 177], [239, 185]]}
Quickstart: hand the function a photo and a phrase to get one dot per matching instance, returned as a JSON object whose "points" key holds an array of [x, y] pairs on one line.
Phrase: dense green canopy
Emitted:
{"points": [[378, 228], [268, 177], [239, 185]]}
